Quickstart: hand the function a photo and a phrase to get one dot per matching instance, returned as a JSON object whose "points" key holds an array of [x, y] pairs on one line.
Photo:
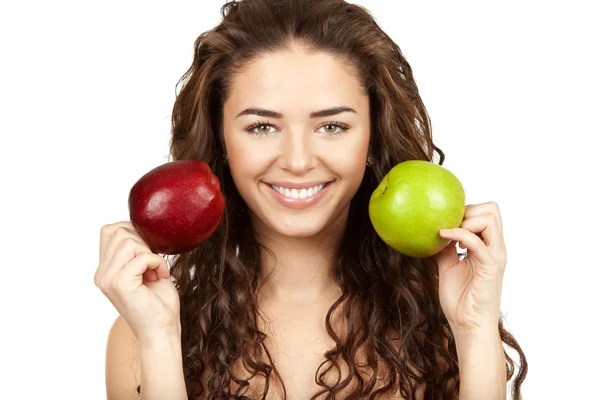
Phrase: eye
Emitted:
{"points": [[261, 132], [343, 128]]}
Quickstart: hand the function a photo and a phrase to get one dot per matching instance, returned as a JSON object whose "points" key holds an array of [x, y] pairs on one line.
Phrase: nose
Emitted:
{"points": [[298, 154]]}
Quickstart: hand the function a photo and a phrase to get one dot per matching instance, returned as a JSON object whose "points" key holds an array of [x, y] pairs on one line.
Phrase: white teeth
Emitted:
{"points": [[298, 193]]}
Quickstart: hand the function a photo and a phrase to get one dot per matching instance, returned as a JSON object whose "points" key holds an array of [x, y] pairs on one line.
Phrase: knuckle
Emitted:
{"points": [[121, 231], [494, 205], [494, 217], [128, 223], [128, 243], [104, 285], [105, 230], [97, 279]]}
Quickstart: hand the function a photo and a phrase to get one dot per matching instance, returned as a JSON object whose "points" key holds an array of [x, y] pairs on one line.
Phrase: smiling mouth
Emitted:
{"points": [[299, 194]]}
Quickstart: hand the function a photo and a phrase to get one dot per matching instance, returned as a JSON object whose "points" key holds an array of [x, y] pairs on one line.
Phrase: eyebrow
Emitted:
{"points": [[316, 114]]}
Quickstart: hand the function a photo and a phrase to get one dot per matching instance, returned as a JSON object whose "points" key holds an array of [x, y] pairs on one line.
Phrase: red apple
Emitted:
{"points": [[176, 206]]}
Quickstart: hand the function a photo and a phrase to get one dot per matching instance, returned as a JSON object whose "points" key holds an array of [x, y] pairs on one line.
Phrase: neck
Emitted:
{"points": [[299, 270]]}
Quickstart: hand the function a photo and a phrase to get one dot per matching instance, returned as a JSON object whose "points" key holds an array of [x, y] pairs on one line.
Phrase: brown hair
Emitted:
{"points": [[383, 290]]}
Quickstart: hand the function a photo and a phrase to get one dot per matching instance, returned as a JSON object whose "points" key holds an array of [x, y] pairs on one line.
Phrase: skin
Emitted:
{"points": [[297, 148], [300, 149]]}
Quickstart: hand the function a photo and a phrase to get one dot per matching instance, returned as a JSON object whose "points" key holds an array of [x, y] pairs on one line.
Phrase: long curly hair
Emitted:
{"points": [[383, 291]]}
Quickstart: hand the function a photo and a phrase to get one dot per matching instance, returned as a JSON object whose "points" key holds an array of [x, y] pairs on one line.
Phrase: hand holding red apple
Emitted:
{"points": [[173, 208], [137, 282]]}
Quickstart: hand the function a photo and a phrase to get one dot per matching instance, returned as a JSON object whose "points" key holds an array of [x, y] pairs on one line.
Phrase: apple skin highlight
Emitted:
{"points": [[412, 203]]}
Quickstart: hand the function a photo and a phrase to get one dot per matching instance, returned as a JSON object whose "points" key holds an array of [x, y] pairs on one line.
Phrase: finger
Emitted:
{"points": [[476, 249], [149, 276], [486, 226], [490, 207], [119, 234], [152, 275], [108, 231], [127, 250], [143, 263]]}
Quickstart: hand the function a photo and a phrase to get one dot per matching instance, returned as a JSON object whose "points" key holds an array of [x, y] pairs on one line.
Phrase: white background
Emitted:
{"points": [[86, 91]]}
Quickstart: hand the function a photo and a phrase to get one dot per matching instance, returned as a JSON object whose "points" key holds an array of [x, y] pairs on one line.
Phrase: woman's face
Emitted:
{"points": [[297, 170]]}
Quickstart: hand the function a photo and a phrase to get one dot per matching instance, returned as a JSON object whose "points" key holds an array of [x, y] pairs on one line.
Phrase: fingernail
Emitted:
{"points": [[444, 231]]}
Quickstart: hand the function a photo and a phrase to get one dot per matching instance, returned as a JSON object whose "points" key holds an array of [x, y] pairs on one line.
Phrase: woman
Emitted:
{"points": [[300, 108]]}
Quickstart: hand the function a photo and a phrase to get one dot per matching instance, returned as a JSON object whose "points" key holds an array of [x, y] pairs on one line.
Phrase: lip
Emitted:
{"points": [[298, 203]]}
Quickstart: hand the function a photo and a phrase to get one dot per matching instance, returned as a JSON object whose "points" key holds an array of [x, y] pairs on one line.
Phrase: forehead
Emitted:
{"points": [[295, 79]]}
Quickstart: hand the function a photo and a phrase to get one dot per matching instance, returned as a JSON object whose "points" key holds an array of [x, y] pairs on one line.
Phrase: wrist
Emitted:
{"points": [[165, 338], [161, 350], [482, 331], [475, 340]]}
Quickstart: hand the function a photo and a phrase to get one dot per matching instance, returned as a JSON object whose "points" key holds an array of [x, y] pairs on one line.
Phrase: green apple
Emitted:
{"points": [[412, 203]]}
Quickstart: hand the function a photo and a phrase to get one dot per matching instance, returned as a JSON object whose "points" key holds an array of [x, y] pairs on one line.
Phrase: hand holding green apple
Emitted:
{"points": [[412, 203], [418, 209]]}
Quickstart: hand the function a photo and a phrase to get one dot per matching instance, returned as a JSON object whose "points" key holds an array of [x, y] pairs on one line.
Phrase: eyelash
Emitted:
{"points": [[344, 128]]}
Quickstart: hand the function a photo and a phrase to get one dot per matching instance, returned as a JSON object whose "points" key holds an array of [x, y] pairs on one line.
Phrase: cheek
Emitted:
{"points": [[246, 159], [346, 165], [349, 161], [351, 170], [246, 163]]}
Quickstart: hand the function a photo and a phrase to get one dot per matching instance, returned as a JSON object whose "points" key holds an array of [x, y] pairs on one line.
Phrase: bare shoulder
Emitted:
{"points": [[122, 363]]}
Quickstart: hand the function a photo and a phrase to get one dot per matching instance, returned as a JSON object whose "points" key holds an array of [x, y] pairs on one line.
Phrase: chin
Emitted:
{"points": [[301, 227]]}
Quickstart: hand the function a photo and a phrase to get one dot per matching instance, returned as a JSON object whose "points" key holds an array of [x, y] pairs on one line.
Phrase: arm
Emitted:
{"points": [[162, 370], [482, 365], [470, 291], [157, 366]]}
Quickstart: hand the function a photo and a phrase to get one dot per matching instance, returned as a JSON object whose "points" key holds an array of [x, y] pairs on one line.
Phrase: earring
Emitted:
{"points": [[370, 161], [225, 158]]}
